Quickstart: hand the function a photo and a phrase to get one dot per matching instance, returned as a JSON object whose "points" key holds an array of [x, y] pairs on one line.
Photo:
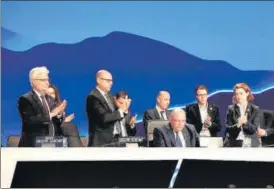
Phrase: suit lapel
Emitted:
{"points": [[37, 101], [210, 110], [171, 135], [186, 136], [156, 114], [102, 99], [237, 112], [248, 111], [197, 112]]}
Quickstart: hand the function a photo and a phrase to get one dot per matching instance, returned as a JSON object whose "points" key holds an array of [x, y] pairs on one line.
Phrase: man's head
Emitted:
{"points": [[177, 119], [39, 79], [121, 97], [163, 100], [201, 94], [104, 80]]}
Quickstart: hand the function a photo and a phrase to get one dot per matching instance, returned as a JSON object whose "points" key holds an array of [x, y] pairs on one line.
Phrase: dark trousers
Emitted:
{"points": [[70, 131]]}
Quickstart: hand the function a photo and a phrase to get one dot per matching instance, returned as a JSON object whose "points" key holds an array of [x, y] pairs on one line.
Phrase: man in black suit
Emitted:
{"points": [[103, 115], [177, 133], [266, 130], [205, 117], [160, 112], [128, 121], [39, 113]]}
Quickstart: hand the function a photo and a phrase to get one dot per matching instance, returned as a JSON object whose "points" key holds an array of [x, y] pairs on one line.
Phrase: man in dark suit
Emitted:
{"points": [[177, 133], [103, 115], [128, 121], [160, 112], [205, 117], [39, 113], [266, 130]]}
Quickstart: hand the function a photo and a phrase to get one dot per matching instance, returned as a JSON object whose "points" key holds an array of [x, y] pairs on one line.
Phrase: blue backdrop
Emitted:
{"points": [[147, 46]]}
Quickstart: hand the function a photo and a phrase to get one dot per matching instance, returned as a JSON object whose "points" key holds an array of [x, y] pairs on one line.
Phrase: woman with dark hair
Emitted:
{"points": [[69, 129], [242, 119], [54, 93]]}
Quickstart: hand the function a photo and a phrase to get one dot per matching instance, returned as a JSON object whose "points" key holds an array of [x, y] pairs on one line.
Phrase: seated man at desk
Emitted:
{"points": [[177, 133]]}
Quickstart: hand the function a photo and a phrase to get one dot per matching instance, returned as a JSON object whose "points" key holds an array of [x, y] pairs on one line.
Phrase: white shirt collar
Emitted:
{"points": [[159, 109], [200, 107], [38, 94]]}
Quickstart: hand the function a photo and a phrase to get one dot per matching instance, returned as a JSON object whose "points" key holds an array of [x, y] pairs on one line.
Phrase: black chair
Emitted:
{"points": [[267, 122]]}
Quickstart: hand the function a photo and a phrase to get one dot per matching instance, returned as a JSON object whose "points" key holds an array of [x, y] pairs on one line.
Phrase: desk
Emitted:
{"points": [[10, 156]]}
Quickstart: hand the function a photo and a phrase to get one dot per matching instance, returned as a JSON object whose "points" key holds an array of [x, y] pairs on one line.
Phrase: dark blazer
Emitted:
{"points": [[267, 123], [250, 128], [35, 120], [102, 119], [194, 117], [152, 114], [164, 136]]}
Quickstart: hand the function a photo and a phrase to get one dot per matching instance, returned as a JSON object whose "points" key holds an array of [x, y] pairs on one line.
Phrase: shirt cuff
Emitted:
{"points": [[121, 113]]}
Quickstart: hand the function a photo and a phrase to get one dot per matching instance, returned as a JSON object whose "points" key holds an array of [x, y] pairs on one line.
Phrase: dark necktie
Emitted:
{"points": [[162, 115], [109, 101], [44, 103], [178, 140], [51, 125], [117, 124]]}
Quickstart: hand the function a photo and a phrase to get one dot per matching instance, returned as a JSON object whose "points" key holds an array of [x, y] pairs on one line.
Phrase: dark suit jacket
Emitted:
{"points": [[102, 119], [267, 123], [194, 117], [164, 136], [152, 114], [250, 128], [35, 120]]}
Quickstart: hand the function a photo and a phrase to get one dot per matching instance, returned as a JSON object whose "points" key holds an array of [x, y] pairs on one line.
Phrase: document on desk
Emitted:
{"points": [[211, 142]]}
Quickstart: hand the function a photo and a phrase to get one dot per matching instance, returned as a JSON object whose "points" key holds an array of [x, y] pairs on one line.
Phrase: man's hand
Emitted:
{"points": [[207, 122], [261, 132], [69, 118], [133, 120]]}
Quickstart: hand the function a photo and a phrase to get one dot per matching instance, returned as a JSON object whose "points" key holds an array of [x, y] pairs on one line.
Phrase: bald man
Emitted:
{"points": [[104, 115], [160, 112], [177, 133]]}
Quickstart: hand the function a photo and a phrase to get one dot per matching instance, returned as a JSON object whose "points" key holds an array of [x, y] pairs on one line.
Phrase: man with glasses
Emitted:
{"points": [[39, 113], [177, 133], [205, 117], [103, 114]]}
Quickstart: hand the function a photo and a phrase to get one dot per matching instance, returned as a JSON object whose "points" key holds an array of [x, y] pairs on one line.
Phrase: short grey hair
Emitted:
{"points": [[177, 110], [35, 72]]}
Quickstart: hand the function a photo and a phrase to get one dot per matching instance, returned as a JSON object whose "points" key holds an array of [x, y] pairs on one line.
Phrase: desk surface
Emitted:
{"points": [[10, 156]]}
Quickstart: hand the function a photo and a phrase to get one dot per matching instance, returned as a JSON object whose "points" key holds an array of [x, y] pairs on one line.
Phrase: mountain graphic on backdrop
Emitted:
{"points": [[15, 41], [140, 65]]}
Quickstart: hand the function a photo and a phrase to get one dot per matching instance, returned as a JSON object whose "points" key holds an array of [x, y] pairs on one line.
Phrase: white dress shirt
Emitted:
{"points": [[159, 110], [203, 112]]}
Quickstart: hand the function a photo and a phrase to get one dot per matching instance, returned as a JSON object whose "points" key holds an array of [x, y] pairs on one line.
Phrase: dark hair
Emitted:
{"points": [[199, 87], [57, 94], [121, 94]]}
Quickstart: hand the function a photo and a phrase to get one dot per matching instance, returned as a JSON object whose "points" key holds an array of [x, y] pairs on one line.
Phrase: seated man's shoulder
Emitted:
{"points": [[190, 126]]}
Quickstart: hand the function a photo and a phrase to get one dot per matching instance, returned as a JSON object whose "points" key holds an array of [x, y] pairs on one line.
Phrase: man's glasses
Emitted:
{"points": [[45, 79], [108, 80], [201, 94]]}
